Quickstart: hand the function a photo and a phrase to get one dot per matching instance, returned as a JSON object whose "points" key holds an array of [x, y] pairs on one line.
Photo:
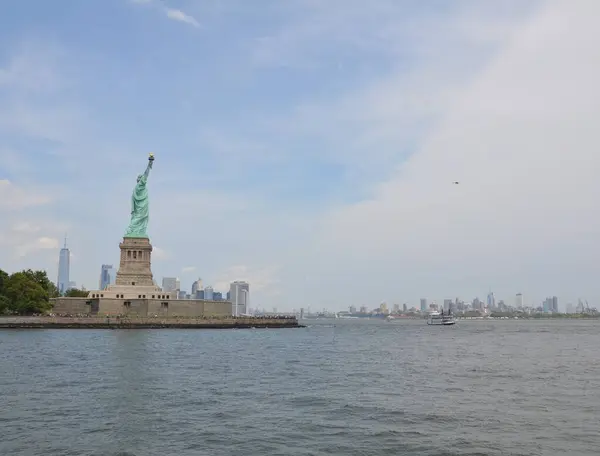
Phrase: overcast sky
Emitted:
{"points": [[309, 146]]}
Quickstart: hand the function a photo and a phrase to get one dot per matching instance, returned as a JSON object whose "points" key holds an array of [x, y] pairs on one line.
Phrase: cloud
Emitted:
{"points": [[13, 197], [342, 34], [41, 243], [171, 13], [159, 254], [260, 279], [520, 137], [178, 15], [25, 227], [32, 68], [29, 239]]}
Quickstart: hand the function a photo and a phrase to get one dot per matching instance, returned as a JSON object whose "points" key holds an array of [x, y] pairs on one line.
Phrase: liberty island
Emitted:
{"points": [[136, 297]]}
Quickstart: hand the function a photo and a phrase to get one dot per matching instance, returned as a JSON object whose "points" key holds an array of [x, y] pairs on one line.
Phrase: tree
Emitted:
{"points": [[76, 293], [4, 304], [3, 278], [25, 294], [42, 278]]}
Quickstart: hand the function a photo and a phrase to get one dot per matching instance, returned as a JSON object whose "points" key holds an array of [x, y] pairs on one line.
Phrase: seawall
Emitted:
{"points": [[146, 323]]}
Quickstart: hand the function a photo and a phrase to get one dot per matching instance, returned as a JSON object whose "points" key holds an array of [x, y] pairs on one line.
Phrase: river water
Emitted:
{"points": [[334, 388]]}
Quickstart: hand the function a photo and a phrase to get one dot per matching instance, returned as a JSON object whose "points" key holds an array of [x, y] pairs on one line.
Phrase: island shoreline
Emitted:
{"points": [[146, 323]]}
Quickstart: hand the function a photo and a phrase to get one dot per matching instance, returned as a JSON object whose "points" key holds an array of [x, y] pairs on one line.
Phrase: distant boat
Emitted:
{"points": [[436, 318]]}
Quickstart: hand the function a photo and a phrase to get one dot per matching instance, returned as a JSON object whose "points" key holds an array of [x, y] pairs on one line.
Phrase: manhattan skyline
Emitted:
{"points": [[310, 148]]}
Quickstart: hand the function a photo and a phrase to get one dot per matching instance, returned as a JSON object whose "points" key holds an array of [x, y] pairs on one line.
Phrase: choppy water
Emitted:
{"points": [[356, 388]]}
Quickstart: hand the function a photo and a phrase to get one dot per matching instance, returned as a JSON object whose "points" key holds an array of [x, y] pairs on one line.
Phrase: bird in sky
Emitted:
{"points": [[455, 182]]}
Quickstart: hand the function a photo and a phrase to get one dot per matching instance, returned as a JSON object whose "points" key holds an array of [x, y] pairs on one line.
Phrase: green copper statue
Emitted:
{"points": [[139, 205]]}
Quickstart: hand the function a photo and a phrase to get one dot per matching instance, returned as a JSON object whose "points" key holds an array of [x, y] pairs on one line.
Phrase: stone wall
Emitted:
{"points": [[71, 306], [217, 308], [142, 307]]}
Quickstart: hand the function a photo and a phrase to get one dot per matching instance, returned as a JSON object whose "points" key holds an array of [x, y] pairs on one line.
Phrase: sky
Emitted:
{"points": [[308, 146]]}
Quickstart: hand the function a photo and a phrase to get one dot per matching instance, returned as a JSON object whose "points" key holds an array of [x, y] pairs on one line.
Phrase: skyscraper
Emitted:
{"points": [[171, 284], [196, 286], [519, 301], [239, 292], [423, 305], [550, 305], [64, 259], [447, 304], [208, 293], [107, 276], [491, 300]]}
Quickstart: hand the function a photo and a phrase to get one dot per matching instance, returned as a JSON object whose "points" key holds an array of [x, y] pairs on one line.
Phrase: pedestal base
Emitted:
{"points": [[134, 268]]}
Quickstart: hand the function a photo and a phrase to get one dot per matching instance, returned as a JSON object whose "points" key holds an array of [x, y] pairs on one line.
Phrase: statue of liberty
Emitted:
{"points": [[139, 205]]}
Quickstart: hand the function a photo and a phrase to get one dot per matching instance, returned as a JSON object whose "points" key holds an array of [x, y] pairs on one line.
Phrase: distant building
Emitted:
{"points": [[570, 308], [239, 292], [404, 308], [107, 276], [64, 260], [217, 296], [199, 294], [491, 300], [519, 301], [363, 310], [396, 308], [208, 293], [170, 284], [197, 285], [447, 305], [182, 295], [423, 305], [352, 309], [547, 305], [550, 305]]}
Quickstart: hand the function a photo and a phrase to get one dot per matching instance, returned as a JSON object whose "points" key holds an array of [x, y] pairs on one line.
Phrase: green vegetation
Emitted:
{"points": [[25, 293], [76, 293]]}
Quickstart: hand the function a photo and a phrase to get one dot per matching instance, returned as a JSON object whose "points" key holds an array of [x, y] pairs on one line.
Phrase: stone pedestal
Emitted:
{"points": [[134, 267], [134, 278]]}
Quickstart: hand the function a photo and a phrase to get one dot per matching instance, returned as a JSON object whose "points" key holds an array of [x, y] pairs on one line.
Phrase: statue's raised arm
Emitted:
{"points": [[139, 205], [149, 167]]}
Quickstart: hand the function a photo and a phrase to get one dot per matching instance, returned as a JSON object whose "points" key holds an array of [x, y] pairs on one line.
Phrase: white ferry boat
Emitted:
{"points": [[436, 318]]}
